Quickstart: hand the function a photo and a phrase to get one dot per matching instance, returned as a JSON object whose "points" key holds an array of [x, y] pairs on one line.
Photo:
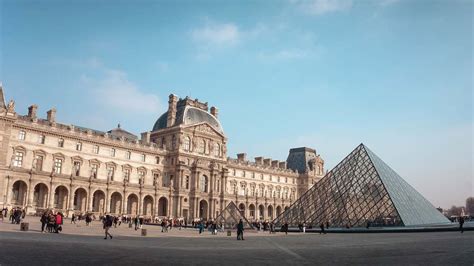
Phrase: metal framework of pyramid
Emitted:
{"points": [[361, 189], [231, 216]]}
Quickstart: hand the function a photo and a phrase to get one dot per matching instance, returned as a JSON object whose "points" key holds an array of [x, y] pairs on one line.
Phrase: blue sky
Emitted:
{"points": [[396, 75]]}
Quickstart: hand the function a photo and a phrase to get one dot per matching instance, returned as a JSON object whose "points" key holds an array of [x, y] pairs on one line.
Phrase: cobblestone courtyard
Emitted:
{"points": [[85, 245]]}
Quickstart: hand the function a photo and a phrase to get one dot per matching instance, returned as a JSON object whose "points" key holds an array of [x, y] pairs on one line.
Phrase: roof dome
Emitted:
{"points": [[188, 115]]}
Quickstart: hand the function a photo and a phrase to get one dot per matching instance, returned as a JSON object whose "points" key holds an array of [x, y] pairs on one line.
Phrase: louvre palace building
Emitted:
{"points": [[179, 169]]}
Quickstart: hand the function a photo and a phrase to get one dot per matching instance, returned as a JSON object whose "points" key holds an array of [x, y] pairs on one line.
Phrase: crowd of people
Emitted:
{"points": [[51, 221], [16, 215]]}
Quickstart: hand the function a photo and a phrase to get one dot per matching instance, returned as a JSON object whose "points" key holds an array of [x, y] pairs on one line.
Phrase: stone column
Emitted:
{"points": [[7, 194], [170, 209], [107, 201], [71, 200], [125, 203], [51, 195]]}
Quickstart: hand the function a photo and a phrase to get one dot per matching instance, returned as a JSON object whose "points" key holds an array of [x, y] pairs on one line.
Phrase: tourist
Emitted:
{"points": [[368, 224], [322, 229], [304, 227], [285, 228], [461, 223], [58, 222], [272, 228], [73, 219], [136, 221], [201, 227], [240, 230], [44, 221], [327, 225], [107, 224]]}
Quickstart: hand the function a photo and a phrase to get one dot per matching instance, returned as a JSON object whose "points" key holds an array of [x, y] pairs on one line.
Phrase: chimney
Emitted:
{"points": [[51, 116], [241, 157], [146, 137], [32, 112], [172, 108], [282, 165], [267, 162], [214, 112], [275, 163], [259, 160]]}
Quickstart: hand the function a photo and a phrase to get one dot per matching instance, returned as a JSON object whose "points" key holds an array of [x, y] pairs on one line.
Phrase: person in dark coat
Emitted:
{"points": [[322, 229], [461, 223], [44, 221], [240, 230], [107, 224]]}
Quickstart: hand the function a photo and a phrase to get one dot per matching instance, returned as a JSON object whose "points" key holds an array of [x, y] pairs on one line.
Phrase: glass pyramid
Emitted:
{"points": [[361, 189], [231, 216]]}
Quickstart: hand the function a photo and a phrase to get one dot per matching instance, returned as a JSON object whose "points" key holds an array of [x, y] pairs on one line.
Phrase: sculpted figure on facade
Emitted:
{"points": [[11, 106]]}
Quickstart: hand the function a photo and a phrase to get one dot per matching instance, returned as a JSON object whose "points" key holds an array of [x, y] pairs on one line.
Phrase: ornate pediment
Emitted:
{"points": [[207, 129]]}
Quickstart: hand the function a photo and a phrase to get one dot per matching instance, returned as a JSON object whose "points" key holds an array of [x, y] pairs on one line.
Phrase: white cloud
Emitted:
{"points": [[320, 7], [112, 89], [216, 34], [116, 91]]}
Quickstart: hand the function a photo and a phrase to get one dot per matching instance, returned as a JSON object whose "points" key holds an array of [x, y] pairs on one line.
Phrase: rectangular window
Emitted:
{"points": [[126, 174], [77, 168], [128, 155], [187, 182], [39, 162], [79, 146], [143, 156], [110, 173], [112, 152], [58, 164], [157, 160], [18, 160], [61, 143], [41, 139], [21, 135], [94, 169], [95, 149]]}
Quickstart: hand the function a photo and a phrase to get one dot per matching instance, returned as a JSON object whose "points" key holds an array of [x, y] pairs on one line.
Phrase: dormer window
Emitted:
{"points": [[143, 157], [79, 146], [112, 152], [128, 155], [95, 149]]}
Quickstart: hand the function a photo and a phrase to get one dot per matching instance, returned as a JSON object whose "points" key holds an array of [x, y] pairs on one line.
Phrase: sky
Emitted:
{"points": [[396, 75]]}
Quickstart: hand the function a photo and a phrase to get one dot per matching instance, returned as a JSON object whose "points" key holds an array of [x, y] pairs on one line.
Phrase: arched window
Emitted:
{"points": [[217, 149], [187, 143], [203, 183], [202, 146], [173, 142]]}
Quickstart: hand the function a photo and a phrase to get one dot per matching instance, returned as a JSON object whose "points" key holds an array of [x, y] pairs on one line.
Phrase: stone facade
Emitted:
{"points": [[179, 169]]}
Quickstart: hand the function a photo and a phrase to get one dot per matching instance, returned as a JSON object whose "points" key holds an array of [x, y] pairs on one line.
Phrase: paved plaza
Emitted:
{"points": [[80, 244]]}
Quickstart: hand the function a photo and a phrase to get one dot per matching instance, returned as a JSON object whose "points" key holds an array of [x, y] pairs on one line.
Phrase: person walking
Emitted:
{"points": [[107, 225], [44, 221], [240, 230], [201, 227], [322, 229], [461, 223], [285, 228]]}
